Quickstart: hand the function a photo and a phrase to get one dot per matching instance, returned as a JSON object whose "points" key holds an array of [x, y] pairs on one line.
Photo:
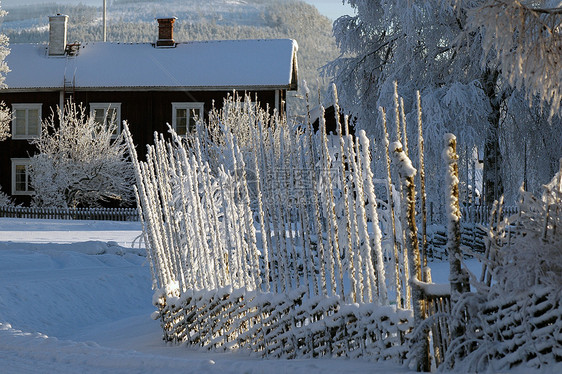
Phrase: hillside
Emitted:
{"points": [[133, 21]]}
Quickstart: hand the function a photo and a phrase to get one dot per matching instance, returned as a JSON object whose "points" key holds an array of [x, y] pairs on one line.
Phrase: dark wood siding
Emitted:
{"points": [[145, 111]]}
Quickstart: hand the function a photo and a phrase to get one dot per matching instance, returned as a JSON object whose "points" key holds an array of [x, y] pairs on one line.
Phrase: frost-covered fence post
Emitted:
{"points": [[420, 348], [453, 214], [377, 235], [330, 207], [397, 277], [423, 196], [456, 276], [403, 213], [353, 262]]}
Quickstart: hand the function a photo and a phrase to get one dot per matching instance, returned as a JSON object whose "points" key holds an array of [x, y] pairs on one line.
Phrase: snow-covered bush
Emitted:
{"points": [[531, 253], [79, 162], [5, 121], [515, 314], [5, 199]]}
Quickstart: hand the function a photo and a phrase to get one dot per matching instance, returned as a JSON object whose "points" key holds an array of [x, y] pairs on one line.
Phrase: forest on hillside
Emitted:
{"points": [[131, 21]]}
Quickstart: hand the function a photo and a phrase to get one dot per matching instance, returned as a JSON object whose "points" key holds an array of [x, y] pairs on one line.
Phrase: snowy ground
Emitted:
{"points": [[76, 297]]}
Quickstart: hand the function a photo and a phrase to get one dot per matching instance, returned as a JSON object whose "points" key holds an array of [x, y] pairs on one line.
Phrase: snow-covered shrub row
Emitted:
{"points": [[288, 325]]}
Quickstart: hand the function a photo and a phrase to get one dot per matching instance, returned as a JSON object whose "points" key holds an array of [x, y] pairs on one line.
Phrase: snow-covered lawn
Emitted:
{"points": [[76, 298]]}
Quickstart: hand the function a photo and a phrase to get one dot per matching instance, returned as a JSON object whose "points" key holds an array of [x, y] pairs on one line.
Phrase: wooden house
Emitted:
{"points": [[148, 84]]}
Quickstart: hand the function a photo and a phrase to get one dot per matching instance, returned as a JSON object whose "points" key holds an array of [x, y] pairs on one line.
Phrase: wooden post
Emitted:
{"points": [[407, 173], [397, 277], [422, 185], [457, 278]]}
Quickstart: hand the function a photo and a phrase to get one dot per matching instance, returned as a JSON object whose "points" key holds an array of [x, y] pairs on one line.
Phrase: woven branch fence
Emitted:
{"points": [[288, 325], [269, 239], [525, 328], [272, 241]]}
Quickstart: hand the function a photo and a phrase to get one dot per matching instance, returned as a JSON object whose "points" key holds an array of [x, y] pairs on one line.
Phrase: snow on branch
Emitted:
{"points": [[526, 38], [80, 161]]}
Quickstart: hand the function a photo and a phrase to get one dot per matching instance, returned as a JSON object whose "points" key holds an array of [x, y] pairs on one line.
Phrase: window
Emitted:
{"points": [[20, 177], [105, 112], [26, 122], [184, 116]]}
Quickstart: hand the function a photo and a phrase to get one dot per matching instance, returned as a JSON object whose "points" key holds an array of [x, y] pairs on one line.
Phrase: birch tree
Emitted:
{"points": [[79, 162], [5, 113], [448, 51]]}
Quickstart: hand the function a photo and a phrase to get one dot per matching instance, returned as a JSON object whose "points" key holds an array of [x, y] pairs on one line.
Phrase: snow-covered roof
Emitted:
{"points": [[208, 65]]}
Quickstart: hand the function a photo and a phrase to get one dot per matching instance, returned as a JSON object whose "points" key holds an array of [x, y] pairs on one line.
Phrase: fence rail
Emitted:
{"points": [[286, 325], [102, 214], [481, 213]]}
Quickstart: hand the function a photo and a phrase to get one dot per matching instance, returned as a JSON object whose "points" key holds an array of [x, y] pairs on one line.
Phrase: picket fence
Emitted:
{"points": [[102, 214]]}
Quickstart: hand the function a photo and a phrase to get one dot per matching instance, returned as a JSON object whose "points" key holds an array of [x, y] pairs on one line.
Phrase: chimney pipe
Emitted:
{"points": [[57, 34], [166, 32]]}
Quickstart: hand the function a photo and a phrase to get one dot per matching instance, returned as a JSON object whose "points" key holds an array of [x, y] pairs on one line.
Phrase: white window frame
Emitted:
{"points": [[26, 107], [21, 162], [105, 107], [189, 106]]}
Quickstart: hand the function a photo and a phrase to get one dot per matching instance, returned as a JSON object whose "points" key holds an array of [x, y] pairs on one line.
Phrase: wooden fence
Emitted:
{"points": [[286, 325], [511, 329], [102, 214], [480, 214]]}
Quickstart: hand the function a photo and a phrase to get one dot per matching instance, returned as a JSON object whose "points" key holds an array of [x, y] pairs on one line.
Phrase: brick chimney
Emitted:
{"points": [[57, 34], [166, 32]]}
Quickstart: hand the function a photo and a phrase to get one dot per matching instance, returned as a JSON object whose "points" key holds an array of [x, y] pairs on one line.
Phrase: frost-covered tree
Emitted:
{"points": [[531, 144], [4, 51], [80, 162], [5, 113], [5, 120], [443, 49], [525, 39]]}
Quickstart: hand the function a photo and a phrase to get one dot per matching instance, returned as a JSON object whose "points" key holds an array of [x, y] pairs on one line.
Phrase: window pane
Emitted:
{"points": [[33, 122], [20, 122], [99, 115], [21, 180], [195, 113], [112, 118], [181, 121], [181, 126]]}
